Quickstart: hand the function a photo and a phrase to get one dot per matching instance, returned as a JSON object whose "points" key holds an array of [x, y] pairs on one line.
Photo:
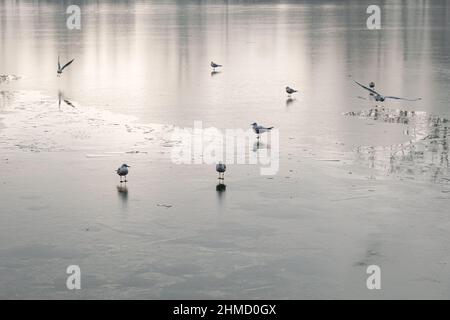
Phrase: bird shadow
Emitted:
{"points": [[122, 191], [213, 73], [258, 145], [290, 101], [221, 187]]}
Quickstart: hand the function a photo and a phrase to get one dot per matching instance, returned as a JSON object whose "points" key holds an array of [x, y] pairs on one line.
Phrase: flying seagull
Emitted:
{"points": [[122, 172], [260, 129], [380, 97], [215, 65], [60, 69], [221, 168], [290, 91]]}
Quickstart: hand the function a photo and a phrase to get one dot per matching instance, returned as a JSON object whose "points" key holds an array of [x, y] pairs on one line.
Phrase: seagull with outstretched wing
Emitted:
{"points": [[380, 97], [60, 69]]}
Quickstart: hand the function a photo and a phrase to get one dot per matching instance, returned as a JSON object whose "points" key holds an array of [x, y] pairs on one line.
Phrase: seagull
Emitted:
{"points": [[260, 129], [60, 70], [215, 65], [380, 97], [221, 168], [122, 172], [290, 91]]}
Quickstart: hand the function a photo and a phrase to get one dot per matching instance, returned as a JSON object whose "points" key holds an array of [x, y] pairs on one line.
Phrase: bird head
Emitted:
{"points": [[254, 124], [126, 166], [372, 84]]}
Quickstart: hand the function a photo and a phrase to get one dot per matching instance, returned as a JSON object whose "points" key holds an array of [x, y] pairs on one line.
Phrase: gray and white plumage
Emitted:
{"points": [[215, 65], [380, 97], [290, 90], [60, 69], [221, 168], [260, 129], [122, 171]]}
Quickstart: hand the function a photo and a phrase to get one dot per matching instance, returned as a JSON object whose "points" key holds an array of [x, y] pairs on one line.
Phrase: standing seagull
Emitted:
{"points": [[215, 65], [122, 172], [260, 129], [60, 70], [380, 97], [221, 168], [290, 91]]}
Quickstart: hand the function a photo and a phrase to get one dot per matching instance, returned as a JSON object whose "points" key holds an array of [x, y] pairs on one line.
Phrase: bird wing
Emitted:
{"points": [[67, 64], [69, 103], [368, 89], [59, 65], [398, 98]]}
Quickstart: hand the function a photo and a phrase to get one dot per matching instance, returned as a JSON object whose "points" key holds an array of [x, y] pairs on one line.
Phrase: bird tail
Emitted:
{"points": [[270, 128]]}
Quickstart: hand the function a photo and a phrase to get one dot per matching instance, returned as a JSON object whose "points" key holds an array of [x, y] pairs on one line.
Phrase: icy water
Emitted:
{"points": [[358, 184]]}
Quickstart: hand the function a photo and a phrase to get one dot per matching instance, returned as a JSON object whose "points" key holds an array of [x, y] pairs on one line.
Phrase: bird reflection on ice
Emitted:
{"points": [[122, 191]]}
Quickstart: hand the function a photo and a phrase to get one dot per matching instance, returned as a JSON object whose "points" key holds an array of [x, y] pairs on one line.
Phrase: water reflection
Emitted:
{"points": [[62, 98], [289, 101], [157, 52], [221, 187], [7, 97], [425, 156], [122, 191], [258, 145]]}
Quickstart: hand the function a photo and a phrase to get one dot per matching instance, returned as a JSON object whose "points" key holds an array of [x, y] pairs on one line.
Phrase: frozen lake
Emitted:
{"points": [[357, 184]]}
